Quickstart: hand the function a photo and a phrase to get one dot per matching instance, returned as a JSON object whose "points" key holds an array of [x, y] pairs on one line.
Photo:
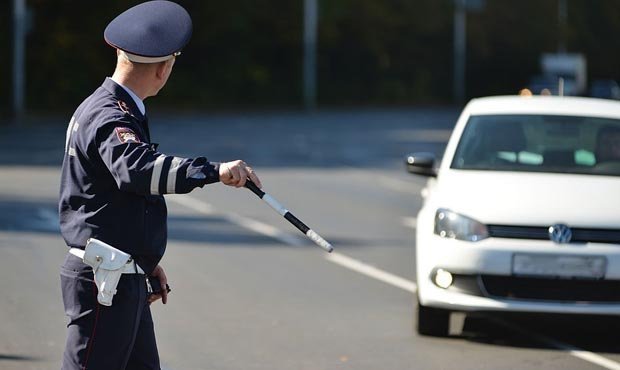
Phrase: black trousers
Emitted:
{"points": [[119, 337]]}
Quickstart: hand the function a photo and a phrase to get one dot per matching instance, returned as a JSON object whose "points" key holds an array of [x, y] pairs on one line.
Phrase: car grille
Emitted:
{"points": [[572, 290], [579, 235]]}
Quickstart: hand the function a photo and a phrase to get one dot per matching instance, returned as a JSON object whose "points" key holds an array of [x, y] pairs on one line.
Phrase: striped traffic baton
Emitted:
{"points": [[289, 216]]}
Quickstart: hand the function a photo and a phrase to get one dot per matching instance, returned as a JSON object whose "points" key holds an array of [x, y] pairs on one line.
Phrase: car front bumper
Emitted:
{"points": [[484, 279]]}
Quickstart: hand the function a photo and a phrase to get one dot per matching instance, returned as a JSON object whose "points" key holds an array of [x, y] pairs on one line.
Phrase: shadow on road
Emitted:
{"points": [[27, 215], [597, 334], [7, 357]]}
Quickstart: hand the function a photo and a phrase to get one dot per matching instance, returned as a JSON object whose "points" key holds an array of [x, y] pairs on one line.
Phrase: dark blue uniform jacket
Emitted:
{"points": [[113, 178]]}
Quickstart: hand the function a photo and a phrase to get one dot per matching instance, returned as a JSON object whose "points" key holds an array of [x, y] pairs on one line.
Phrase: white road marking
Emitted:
{"points": [[371, 271], [378, 274], [572, 350], [264, 229], [245, 222], [192, 203], [411, 222], [591, 357]]}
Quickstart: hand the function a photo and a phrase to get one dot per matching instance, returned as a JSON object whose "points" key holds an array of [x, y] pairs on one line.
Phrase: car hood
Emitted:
{"points": [[530, 199]]}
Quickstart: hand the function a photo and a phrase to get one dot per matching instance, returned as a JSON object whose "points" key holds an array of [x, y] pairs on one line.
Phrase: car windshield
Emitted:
{"points": [[540, 143]]}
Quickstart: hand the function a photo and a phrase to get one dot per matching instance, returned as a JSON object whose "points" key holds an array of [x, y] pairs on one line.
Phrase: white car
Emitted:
{"points": [[523, 213]]}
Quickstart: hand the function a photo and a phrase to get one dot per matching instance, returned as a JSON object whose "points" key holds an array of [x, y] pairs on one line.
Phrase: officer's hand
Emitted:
{"points": [[236, 173], [159, 273]]}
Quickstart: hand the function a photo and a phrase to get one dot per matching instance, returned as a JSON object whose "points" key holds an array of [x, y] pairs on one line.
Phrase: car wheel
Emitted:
{"points": [[433, 321]]}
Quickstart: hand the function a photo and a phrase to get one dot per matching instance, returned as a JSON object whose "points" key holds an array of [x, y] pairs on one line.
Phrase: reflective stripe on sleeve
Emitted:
{"points": [[69, 131], [172, 175], [157, 167]]}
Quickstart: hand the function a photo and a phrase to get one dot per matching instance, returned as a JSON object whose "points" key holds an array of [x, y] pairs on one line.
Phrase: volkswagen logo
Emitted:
{"points": [[560, 234]]}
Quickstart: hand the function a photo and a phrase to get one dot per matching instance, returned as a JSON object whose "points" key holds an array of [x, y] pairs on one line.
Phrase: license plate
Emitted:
{"points": [[565, 266]]}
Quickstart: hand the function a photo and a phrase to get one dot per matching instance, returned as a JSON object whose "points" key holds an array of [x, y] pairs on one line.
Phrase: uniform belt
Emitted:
{"points": [[130, 267]]}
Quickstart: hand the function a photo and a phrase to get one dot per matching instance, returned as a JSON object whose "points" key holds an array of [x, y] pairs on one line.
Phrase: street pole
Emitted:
{"points": [[311, 15], [562, 16], [19, 51], [460, 29]]}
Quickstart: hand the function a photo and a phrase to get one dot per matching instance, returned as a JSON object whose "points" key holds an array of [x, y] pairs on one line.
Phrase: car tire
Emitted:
{"points": [[432, 321]]}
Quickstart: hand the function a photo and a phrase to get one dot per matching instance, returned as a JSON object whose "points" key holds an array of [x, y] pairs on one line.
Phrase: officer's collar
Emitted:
{"points": [[125, 101]]}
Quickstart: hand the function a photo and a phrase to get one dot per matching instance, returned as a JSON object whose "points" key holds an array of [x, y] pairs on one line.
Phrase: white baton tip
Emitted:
{"points": [[275, 204], [319, 241]]}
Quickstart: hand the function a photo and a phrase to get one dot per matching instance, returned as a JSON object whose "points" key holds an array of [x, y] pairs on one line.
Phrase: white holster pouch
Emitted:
{"points": [[108, 265]]}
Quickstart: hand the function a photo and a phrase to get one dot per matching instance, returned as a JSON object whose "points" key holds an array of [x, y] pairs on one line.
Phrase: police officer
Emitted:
{"points": [[113, 179]]}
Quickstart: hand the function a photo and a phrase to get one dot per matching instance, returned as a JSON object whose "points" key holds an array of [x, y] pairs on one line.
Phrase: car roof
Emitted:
{"points": [[548, 105]]}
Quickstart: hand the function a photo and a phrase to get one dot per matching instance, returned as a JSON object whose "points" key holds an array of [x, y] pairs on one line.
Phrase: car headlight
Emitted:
{"points": [[452, 225]]}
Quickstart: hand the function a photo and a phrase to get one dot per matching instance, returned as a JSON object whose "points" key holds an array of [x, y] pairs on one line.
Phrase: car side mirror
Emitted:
{"points": [[421, 164]]}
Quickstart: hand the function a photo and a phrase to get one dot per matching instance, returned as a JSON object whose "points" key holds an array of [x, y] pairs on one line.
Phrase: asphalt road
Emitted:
{"points": [[249, 291]]}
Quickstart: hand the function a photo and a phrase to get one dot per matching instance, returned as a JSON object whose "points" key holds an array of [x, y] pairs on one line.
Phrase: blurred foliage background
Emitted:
{"points": [[247, 54]]}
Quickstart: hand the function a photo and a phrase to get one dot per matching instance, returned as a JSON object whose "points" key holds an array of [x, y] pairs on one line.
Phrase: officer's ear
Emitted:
{"points": [[163, 69], [160, 70]]}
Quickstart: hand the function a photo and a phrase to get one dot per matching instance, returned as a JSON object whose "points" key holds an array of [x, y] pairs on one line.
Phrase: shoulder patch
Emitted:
{"points": [[125, 134]]}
